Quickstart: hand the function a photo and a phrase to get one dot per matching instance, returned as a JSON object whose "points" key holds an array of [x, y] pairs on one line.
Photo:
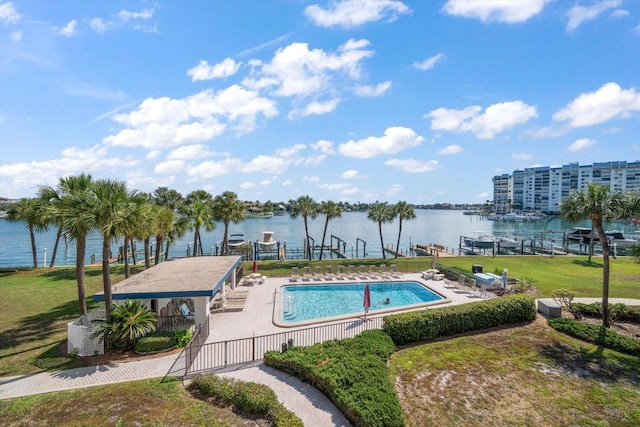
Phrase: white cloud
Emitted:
{"points": [[170, 167], [495, 119], [482, 196], [343, 189], [581, 144], [324, 146], [372, 91], [165, 122], [16, 36], [144, 14], [597, 107], [100, 26], [316, 108], [523, 155], [189, 152], [8, 14], [311, 178], [580, 14], [394, 189], [314, 160], [637, 29], [349, 174], [297, 71], [248, 185], [286, 182], [68, 30], [507, 11], [428, 63], [353, 13], [412, 165], [394, 140], [204, 71], [291, 151], [451, 149]]}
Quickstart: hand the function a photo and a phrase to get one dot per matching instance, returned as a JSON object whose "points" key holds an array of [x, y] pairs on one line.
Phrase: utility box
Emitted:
{"points": [[549, 308], [476, 268]]}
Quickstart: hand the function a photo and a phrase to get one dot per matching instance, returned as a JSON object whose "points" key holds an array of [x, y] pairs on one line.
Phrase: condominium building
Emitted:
{"points": [[544, 188]]}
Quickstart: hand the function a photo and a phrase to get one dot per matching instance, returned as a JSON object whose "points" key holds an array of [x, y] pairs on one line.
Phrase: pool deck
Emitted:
{"points": [[257, 317]]}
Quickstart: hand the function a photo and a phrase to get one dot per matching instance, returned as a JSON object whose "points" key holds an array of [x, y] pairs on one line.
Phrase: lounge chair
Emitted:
{"points": [[362, 272], [306, 275], [295, 275], [394, 271], [352, 273], [384, 272], [372, 272], [328, 273], [340, 275], [186, 312], [317, 273]]}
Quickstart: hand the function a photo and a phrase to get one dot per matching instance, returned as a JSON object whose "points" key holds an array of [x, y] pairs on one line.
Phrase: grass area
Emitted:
{"points": [[525, 375], [36, 306], [147, 402], [568, 272]]}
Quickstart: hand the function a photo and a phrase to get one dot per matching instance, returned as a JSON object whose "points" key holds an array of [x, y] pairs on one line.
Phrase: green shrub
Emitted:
{"points": [[620, 312], [183, 337], [596, 334], [352, 372], [417, 326], [249, 397], [154, 343]]}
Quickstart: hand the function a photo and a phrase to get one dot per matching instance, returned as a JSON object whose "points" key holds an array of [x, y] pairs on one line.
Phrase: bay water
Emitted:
{"points": [[359, 235]]}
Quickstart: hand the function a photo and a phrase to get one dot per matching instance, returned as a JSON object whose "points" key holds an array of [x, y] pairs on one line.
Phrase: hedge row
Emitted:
{"points": [[425, 325], [162, 341], [619, 311], [352, 373], [248, 397], [596, 334]]}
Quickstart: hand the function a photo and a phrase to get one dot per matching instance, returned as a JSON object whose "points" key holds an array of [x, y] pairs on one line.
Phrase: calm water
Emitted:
{"points": [[430, 226], [309, 302]]}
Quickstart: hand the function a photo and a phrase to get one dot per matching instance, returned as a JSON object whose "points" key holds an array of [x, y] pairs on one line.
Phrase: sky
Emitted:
{"points": [[343, 100]]}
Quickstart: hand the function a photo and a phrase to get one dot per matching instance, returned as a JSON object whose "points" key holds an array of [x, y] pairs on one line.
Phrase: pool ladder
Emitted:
{"points": [[289, 307]]}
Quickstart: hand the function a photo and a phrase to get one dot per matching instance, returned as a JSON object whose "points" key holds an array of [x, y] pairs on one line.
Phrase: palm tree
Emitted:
{"points": [[330, 210], [30, 212], [596, 202], [227, 208], [171, 200], [198, 210], [306, 207], [127, 323], [403, 211], [139, 225], [73, 206], [50, 198], [163, 220], [381, 213]]}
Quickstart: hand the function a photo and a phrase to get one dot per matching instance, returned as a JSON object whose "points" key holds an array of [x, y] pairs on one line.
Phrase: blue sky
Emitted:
{"points": [[422, 101]]}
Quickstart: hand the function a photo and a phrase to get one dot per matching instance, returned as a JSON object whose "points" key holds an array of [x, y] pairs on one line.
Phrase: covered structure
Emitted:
{"points": [[180, 288]]}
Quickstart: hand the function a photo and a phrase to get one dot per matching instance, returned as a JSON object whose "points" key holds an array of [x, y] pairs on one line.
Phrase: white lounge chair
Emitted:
{"points": [[340, 275], [362, 272], [352, 273], [328, 272], [295, 275], [372, 272], [384, 272], [317, 273], [394, 271], [306, 275]]}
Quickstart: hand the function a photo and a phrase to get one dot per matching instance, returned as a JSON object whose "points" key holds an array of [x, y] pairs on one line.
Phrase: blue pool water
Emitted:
{"points": [[309, 302]]}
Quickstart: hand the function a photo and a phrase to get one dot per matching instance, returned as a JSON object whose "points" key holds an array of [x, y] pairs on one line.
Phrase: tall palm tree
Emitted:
{"points": [[198, 210], [50, 198], [29, 211], [227, 208], [171, 200], [403, 211], [330, 210], [305, 207], [139, 225], [381, 213], [73, 206], [163, 219], [112, 209], [599, 204]]}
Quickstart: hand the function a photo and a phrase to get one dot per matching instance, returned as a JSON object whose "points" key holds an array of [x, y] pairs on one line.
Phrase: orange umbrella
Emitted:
{"points": [[255, 266], [367, 300]]}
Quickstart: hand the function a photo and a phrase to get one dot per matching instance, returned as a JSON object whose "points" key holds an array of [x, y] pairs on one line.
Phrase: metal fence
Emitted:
{"points": [[173, 323], [203, 357]]}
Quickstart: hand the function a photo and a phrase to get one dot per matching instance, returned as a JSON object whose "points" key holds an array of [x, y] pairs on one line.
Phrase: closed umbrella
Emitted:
{"points": [[255, 266], [367, 300]]}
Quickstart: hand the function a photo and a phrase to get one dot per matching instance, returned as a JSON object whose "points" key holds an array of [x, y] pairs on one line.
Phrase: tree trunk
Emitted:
{"points": [[106, 276], [81, 244], [399, 233], [306, 232], [195, 241], [166, 252], [147, 255], [125, 256], [224, 250], [55, 248], [34, 251], [604, 243], [133, 251], [384, 255], [324, 235], [158, 253]]}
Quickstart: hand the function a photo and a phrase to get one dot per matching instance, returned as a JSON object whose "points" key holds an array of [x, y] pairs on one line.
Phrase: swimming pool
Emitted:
{"points": [[305, 304]]}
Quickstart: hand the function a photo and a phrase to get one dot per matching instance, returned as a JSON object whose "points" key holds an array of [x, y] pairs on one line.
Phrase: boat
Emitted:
{"points": [[507, 243], [268, 243], [617, 237], [280, 211], [480, 240], [582, 236], [236, 240], [259, 214]]}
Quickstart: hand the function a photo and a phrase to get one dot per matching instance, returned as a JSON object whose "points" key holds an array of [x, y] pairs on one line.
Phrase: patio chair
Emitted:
{"points": [[328, 273], [186, 312], [373, 273], [340, 275], [394, 271], [362, 272], [295, 275], [317, 273], [384, 272]]}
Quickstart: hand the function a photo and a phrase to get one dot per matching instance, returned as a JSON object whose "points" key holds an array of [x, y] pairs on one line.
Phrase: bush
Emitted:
{"points": [[249, 397], [155, 343], [617, 311], [183, 337], [417, 326], [596, 334], [352, 372]]}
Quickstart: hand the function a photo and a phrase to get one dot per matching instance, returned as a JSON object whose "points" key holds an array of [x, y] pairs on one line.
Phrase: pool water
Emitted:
{"points": [[309, 302]]}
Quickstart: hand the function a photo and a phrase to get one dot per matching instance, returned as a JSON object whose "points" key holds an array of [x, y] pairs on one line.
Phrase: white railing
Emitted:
{"points": [[79, 334]]}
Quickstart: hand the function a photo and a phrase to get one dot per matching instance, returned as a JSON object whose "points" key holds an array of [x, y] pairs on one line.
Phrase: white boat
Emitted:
{"points": [[480, 240], [268, 243], [617, 237], [235, 240], [582, 236], [507, 243]]}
